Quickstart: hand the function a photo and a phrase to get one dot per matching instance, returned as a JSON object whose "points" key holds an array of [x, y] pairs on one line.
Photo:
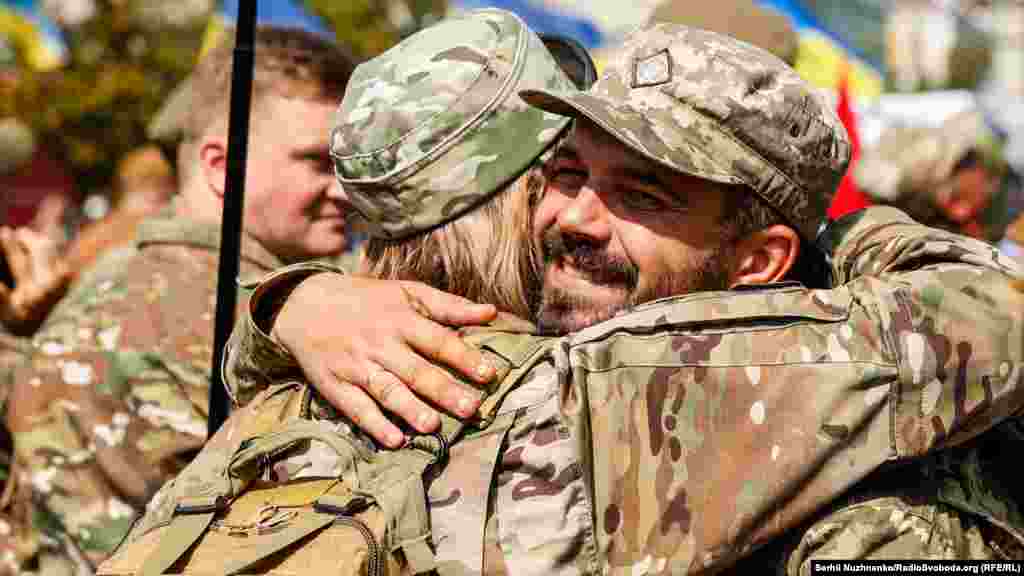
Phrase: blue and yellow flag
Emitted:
{"points": [[33, 40], [838, 38]]}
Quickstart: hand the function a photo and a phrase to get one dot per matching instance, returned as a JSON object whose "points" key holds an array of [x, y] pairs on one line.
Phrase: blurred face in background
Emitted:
{"points": [[971, 189], [294, 205]]}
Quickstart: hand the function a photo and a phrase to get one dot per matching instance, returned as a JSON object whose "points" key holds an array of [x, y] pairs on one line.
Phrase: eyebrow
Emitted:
{"points": [[644, 177], [568, 152]]}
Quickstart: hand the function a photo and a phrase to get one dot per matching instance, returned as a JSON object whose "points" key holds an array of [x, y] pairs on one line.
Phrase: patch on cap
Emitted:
{"points": [[652, 70]]}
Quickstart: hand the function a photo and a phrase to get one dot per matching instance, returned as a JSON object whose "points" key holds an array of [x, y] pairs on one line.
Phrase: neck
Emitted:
{"points": [[194, 205]]}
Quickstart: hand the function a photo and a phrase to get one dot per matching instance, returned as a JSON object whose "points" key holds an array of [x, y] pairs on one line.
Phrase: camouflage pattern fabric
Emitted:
{"points": [[13, 351], [433, 126], [112, 401], [716, 108], [937, 519], [704, 426], [16, 543], [21, 544]]}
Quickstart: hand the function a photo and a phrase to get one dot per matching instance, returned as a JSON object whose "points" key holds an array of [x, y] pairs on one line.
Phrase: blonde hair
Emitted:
{"points": [[456, 258]]}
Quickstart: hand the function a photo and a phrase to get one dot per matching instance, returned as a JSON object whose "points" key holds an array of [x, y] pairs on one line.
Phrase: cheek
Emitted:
{"points": [[655, 254]]}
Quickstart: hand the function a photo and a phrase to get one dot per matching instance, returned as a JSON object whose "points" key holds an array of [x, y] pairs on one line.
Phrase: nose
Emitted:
{"points": [[585, 215]]}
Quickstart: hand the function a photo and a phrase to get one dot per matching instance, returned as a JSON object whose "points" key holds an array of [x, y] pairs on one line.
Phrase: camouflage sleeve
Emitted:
{"points": [[726, 419], [113, 398], [882, 239], [944, 274], [252, 358]]}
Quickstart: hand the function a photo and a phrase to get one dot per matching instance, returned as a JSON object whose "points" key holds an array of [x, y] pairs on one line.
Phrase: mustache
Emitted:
{"points": [[594, 261]]}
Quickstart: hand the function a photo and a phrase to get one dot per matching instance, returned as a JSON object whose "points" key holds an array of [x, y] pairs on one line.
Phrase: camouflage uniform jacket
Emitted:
{"points": [[113, 400], [707, 424], [19, 542]]}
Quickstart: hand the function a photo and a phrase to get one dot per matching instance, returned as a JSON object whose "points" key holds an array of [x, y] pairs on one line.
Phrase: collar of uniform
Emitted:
{"points": [[168, 228]]}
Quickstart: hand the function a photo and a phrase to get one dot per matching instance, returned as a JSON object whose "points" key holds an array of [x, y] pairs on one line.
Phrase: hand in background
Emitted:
{"points": [[41, 278]]}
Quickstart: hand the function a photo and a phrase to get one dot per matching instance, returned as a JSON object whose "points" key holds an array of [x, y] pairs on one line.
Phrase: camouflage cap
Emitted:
{"points": [[718, 108], [909, 164], [17, 145], [434, 126]]}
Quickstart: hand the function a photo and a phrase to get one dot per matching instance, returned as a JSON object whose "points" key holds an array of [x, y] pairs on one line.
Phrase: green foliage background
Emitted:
{"points": [[95, 108], [121, 67]]}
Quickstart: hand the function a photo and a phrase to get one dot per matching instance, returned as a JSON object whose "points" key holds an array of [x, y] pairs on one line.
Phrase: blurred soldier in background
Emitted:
{"points": [[952, 176], [113, 400]]}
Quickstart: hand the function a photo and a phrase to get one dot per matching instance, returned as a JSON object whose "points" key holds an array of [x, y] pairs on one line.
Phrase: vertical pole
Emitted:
{"points": [[231, 228]]}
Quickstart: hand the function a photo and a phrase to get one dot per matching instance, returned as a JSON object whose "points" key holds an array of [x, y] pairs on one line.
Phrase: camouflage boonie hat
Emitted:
{"points": [[717, 108], [910, 164], [17, 145], [434, 126]]}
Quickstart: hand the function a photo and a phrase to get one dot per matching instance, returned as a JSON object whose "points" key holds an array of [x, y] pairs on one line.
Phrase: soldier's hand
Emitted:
{"points": [[367, 344], [40, 279]]}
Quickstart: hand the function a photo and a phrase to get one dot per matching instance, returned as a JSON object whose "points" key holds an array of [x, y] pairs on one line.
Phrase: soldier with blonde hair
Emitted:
{"points": [[706, 405]]}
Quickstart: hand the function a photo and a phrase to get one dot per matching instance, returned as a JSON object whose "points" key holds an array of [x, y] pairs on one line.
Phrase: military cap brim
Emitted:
{"points": [[688, 154]]}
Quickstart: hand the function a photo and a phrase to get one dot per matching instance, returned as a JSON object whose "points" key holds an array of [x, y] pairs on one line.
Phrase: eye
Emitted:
{"points": [[643, 200], [566, 177], [324, 164], [321, 162]]}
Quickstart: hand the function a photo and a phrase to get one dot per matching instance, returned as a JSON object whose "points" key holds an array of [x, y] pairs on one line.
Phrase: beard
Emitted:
{"points": [[562, 310]]}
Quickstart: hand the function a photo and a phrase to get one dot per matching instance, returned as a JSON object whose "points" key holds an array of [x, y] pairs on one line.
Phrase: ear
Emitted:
{"points": [[765, 256], [213, 159]]}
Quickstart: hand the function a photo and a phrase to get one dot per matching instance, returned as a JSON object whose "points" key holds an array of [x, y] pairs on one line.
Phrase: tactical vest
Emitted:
{"points": [[222, 514]]}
